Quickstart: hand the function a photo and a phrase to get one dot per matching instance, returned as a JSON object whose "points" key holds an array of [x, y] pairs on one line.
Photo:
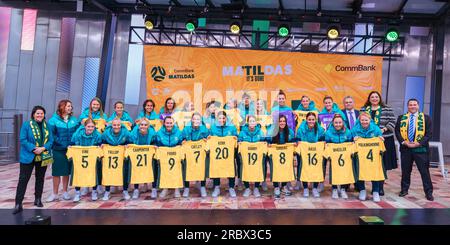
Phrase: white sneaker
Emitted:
{"points": [[247, 192], [306, 192], [177, 193], [186, 192], [376, 196], [77, 196], [344, 194], [277, 192], [232, 192], [135, 194], [216, 191], [362, 195], [316, 193], [154, 193], [84, 191], [106, 196], [256, 192], [287, 191], [264, 186], [100, 189], [163, 193], [126, 195], [94, 196], [298, 185], [66, 196], [203, 192], [334, 194], [321, 187], [52, 197]]}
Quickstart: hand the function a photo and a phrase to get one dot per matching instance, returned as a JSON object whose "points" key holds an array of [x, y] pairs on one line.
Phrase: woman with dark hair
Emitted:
{"points": [[168, 109], [384, 117], [148, 111], [36, 141], [62, 125], [280, 133]]}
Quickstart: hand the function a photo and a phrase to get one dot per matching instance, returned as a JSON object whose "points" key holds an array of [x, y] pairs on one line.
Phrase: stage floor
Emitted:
{"points": [[391, 200]]}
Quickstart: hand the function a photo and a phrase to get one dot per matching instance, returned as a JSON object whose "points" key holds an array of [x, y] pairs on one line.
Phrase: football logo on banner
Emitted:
{"points": [[158, 73]]}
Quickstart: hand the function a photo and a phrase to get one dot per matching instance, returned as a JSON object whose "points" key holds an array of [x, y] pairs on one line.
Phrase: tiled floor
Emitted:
{"points": [[415, 199]]}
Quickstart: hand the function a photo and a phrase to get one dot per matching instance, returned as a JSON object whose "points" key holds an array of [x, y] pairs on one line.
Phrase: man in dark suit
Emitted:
{"points": [[351, 115], [413, 137]]}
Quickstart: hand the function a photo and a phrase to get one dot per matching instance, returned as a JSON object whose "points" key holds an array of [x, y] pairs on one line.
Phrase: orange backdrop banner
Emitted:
{"points": [[203, 74]]}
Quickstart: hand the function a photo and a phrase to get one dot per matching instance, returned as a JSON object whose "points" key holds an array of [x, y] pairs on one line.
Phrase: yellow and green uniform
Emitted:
{"points": [[195, 160], [141, 162], [310, 162], [222, 154], [253, 160], [281, 159], [113, 165], [170, 174], [84, 160], [370, 157], [342, 171], [100, 124]]}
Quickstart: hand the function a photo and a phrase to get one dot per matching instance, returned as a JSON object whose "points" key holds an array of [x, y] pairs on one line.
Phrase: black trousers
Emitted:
{"points": [[423, 163], [24, 177], [202, 183]]}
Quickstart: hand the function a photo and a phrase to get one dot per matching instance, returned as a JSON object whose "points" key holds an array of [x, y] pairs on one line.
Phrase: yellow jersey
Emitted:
{"points": [[170, 170], [141, 163], [310, 166], [195, 159], [370, 160], [253, 161], [112, 165], [127, 125], [264, 121], [84, 170], [281, 158], [155, 123], [221, 157], [342, 170], [100, 124]]}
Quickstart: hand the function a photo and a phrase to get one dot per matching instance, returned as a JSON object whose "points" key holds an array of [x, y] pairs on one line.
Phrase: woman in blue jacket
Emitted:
{"points": [[366, 128], [251, 132], [36, 141], [221, 129], [95, 111], [306, 104], [148, 111], [117, 134], [195, 131], [338, 133], [169, 136], [331, 107], [123, 115], [62, 125], [310, 131], [280, 133], [168, 109], [87, 135], [143, 134]]}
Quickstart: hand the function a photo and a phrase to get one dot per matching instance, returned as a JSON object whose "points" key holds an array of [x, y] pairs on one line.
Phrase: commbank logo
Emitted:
{"points": [[158, 73], [355, 68]]}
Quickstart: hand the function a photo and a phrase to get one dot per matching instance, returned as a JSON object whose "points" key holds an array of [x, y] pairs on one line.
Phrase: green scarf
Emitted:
{"points": [[377, 114], [419, 130], [45, 157]]}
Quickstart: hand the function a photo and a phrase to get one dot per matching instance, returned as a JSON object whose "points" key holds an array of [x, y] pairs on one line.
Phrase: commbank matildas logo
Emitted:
{"points": [[158, 73]]}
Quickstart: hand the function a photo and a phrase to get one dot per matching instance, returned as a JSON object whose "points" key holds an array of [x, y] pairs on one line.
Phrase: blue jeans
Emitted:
{"points": [[375, 185]]}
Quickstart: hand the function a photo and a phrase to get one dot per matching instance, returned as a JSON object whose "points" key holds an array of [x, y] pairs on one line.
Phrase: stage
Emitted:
{"points": [[412, 209]]}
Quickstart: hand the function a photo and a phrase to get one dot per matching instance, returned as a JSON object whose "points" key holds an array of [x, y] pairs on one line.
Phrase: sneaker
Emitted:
{"points": [[100, 189], [316, 193], [77, 197], [126, 195], [232, 192], [376, 197], [321, 187], [277, 192], [66, 196], [264, 186], [247, 192], [135, 194], [106, 196], [216, 192], [287, 191], [256, 192], [334, 194], [94, 196], [154, 193], [306, 192], [362, 195], [53, 197], [163, 193], [203, 192], [344, 194], [177, 193], [186, 192], [84, 191]]}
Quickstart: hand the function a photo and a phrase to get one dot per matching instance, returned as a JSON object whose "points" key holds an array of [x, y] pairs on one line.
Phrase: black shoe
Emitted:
{"points": [[38, 203], [17, 209], [430, 197], [381, 192], [403, 193]]}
